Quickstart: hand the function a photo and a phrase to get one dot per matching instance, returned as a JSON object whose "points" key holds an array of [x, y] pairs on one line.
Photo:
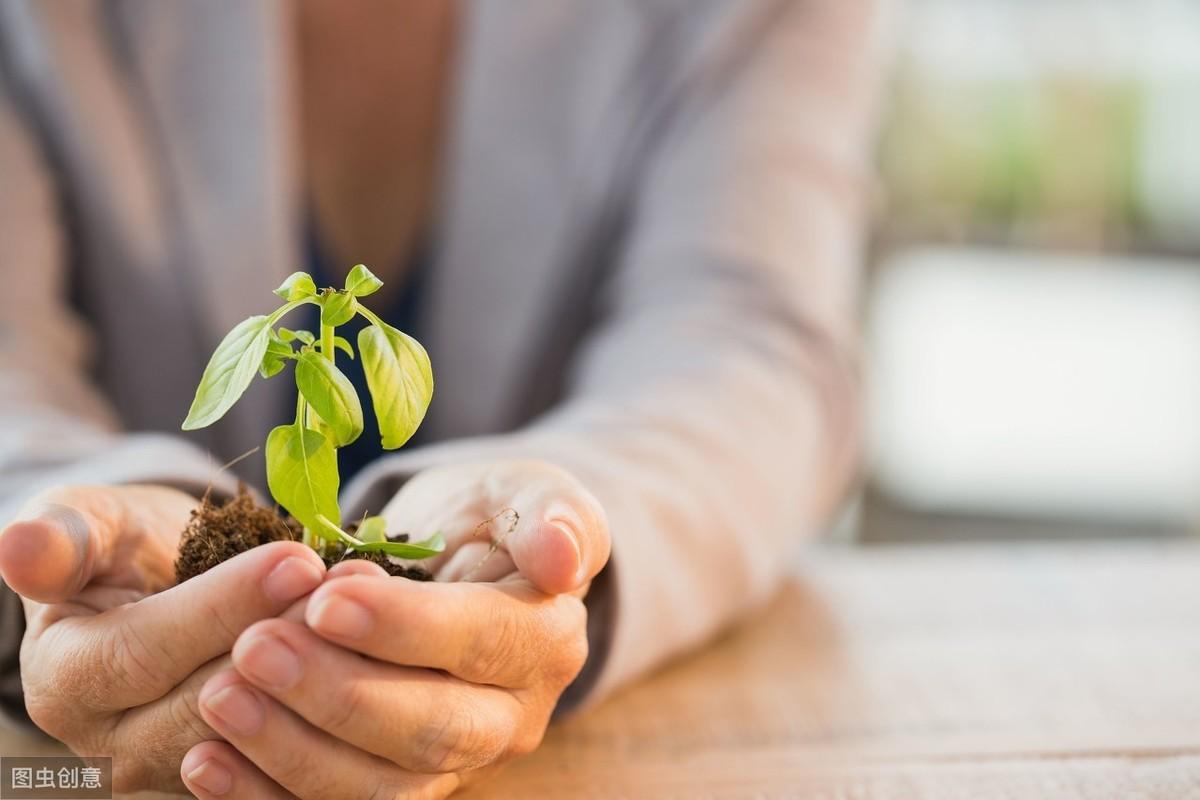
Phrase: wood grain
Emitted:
{"points": [[922, 672]]}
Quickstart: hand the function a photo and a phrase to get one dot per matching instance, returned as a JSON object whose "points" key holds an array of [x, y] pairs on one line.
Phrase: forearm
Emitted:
{"points": [[705, 499]]}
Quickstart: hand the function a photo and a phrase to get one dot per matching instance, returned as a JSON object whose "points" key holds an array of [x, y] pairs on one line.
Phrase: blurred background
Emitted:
{"points": [[1033, 304]]}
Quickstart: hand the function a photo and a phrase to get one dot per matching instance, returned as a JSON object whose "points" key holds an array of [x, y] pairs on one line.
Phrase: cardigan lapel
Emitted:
{"points": [[502, 230], [218, 80]]}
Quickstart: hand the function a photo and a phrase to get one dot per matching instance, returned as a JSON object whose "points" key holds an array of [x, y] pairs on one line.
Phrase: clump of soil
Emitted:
{"points": [[218, 532], [338, 552]]}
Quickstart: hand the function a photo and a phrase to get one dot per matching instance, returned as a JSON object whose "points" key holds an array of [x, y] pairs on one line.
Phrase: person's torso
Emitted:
{"points": [[171, 127]]}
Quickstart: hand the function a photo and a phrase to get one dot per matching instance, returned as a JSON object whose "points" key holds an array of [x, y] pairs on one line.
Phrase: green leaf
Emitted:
{"points": [[313, 421], [297, 286], [338, 308], [280, 348], [229, 371], [330, 394], [271, 365], [413, 550], [302, 474], [372, 529], [361, 282], [290, 336], [342, 344], [400, 379], [274, 359]]}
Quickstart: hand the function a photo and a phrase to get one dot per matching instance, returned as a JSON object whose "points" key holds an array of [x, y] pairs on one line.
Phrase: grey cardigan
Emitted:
{"points": [[645, 268]]}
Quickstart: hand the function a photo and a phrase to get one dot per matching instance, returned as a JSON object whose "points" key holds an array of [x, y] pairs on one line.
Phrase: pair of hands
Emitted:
{"points": [[269, 677]]}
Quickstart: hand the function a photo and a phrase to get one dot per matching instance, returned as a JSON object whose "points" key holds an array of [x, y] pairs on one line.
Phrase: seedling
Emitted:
{"points": [[302, 466]]}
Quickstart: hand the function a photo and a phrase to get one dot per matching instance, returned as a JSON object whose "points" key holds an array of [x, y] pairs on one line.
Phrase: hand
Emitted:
{"points": [[113, 660], [397, 688]]}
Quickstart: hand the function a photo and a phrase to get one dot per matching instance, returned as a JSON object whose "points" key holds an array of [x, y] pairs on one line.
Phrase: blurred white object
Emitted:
{"points": [[1036, 384]]}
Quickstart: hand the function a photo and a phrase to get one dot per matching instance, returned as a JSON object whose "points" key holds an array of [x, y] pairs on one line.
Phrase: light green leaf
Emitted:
{"points": [[229, 371], [290, 336], [331, 395], [400, 379], [302, 474], [313, 421], [338, 308], [412, 550], [372, 529], [361, 282], [280, 348], [274, 359], [342, 344], [297, 286], [271, 365]]}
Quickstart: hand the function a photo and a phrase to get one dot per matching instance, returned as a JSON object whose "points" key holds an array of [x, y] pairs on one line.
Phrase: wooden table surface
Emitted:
{"points": [[922, 672]]}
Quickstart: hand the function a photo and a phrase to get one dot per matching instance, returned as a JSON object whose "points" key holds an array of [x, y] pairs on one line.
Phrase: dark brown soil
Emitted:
{"points": [[218, 532], [399, 570]]}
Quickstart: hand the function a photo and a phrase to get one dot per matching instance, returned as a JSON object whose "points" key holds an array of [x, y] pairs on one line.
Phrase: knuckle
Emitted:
{"points": [[51, 715], [342, 710], [47, 686], [129, 659], [184, 715], [228, 630], [527, 740], [454, 741], [572, 657], [290, 769], [567, 639], [506, 641], [65, 681]]}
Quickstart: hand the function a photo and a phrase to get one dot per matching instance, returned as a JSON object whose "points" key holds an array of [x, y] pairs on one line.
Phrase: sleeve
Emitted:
{"points": [[713, 410], [55, 425]]}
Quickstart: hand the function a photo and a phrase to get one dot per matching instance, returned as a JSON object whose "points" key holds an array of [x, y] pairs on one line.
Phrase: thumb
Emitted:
{"points": [[66, 537], [50, 556], [564, 546]]}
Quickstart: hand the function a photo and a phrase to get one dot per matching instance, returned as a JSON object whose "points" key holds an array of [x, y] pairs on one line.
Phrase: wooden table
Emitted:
{"points": [[918, 672]]}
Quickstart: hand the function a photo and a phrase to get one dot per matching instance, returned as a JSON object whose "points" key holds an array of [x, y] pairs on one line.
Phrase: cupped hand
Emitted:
{"points": [[113, 656], [394, 688]]}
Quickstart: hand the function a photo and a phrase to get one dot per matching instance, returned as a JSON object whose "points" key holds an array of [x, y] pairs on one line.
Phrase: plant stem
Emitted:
{"points": [[370, 316], [346, 538], [327, 348]]}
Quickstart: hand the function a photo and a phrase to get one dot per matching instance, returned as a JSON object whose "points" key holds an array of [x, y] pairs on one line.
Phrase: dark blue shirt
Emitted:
{"points": [[400, 310]]}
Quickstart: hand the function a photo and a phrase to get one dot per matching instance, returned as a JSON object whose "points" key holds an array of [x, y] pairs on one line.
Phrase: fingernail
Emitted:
{"points": [[211, 777], [270, 662], [570, 535], [237, 707], [337, 616], [292, 579]]}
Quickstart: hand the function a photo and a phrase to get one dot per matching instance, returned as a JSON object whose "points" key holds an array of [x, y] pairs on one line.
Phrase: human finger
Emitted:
{"points": [[312, 764], [419, 719], [131, 655], [214, 769], [504, 634]]}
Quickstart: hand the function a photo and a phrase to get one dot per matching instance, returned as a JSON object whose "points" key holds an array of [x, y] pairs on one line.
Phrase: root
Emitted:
{"points": [[207, 496], [515, 519]]}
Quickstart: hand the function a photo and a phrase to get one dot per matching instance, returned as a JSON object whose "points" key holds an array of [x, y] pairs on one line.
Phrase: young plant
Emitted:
{"points": [[302, 467]]}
